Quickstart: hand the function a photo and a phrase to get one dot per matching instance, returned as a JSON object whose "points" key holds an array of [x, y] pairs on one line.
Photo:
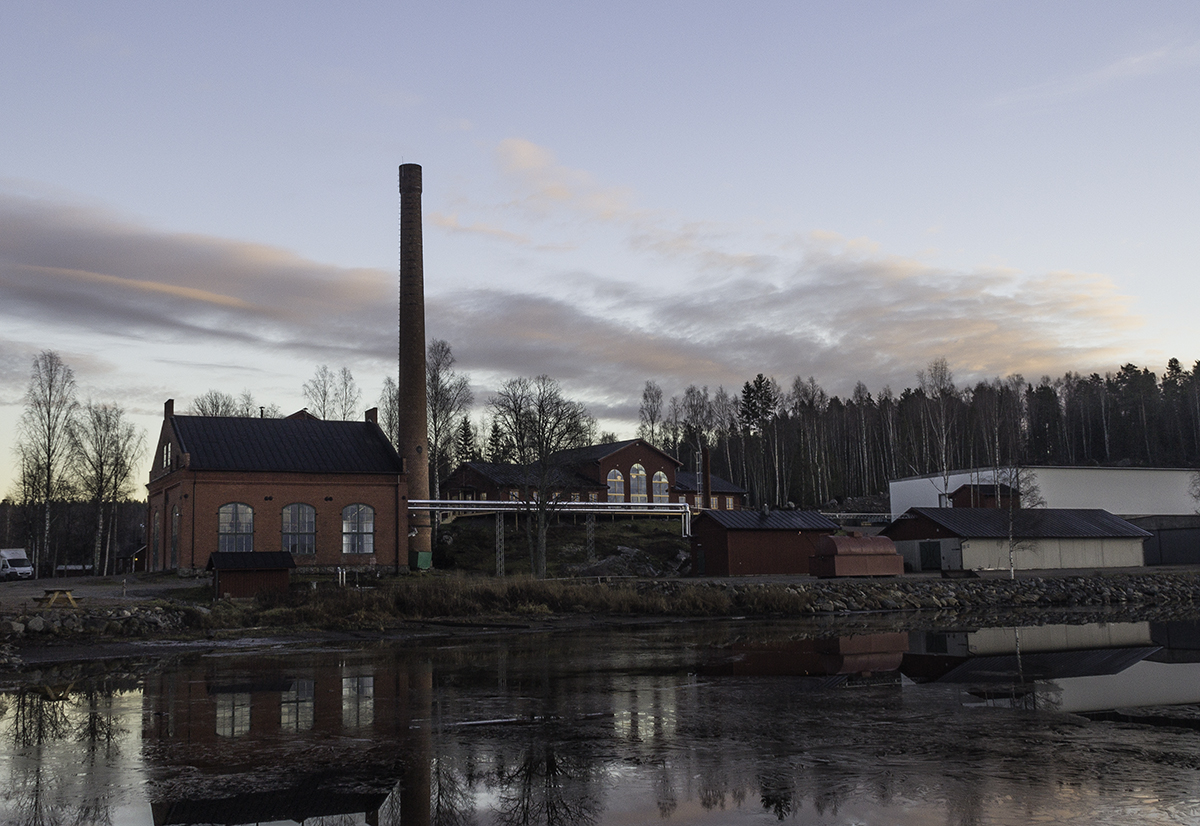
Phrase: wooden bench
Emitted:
{"points": [[52, 596]]}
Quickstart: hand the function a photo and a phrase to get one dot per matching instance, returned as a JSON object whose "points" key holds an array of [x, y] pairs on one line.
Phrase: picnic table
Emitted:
{"points": [[53, 594]]}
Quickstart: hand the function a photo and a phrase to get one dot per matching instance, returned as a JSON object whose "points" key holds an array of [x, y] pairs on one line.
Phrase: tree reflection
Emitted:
{"points": [[547, 787], [664, 793], [452, 803], [777, 790], [100, 732], [39, 718]]}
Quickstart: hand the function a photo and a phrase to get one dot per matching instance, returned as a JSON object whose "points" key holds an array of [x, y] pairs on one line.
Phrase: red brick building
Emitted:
{"points": [[330, 493], [743, 543], [633, 472]]}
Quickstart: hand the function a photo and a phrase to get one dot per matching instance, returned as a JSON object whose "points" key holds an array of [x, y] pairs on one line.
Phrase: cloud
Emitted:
{"points": [[450, 223], [1144, 64], [813, 303], [841, 318], [88, 271], [543, 185]]}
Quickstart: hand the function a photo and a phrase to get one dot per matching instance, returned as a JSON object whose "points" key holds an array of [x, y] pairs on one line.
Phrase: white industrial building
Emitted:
{"points": [[1128, 492], [982, 539]]}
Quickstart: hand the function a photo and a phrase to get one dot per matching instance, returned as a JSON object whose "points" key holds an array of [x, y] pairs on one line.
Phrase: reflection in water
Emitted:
{"points": [[89, 725], [710, 724]]}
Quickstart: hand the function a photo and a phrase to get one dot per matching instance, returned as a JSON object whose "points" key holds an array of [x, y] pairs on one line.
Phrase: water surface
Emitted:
{"points": [[688, 724]]}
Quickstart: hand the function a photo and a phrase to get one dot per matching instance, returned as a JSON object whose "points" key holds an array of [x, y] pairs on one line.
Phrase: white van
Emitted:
{"points": [[14, 564]]}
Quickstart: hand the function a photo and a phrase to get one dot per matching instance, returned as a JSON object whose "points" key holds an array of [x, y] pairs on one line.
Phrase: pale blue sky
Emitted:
{"points": [[198, 195]]}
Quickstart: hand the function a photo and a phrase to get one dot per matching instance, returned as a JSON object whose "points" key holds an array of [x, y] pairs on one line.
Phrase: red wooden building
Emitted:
{"points": [[741, 543]]}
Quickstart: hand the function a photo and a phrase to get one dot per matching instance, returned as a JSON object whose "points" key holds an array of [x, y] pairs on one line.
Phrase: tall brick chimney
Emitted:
{"points": [[413, 425]]}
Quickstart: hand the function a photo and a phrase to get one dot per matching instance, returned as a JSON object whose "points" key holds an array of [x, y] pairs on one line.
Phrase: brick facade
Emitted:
{"points": [[191, 480]]}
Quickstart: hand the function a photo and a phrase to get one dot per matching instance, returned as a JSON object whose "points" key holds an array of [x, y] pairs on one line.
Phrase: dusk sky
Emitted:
{"points": [[204, 195]]}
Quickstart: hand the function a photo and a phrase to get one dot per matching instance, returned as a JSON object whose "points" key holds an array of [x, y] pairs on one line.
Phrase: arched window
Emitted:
{"points": [[616, 486], [156, 554], [661, 496], [175, 537], [300, 528], [637, 484], [358, 529], [235, 528]]}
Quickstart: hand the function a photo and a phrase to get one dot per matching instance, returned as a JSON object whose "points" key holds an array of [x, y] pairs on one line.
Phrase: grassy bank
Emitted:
{"points": [[468, 544], [484, 599]]}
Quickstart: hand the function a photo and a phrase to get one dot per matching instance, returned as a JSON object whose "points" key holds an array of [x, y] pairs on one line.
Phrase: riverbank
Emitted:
{"points": [[163, 607]]}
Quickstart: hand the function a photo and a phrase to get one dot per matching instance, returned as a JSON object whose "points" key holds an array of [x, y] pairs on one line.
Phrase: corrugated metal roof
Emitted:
{"points": [[753, 520], [1031, 523], [285, 445], [685, 480]]}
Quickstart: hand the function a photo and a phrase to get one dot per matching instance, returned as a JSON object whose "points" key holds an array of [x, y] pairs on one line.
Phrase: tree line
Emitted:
{"points": [[74, 459], [799, 444], [785, 444], [802, 445]]}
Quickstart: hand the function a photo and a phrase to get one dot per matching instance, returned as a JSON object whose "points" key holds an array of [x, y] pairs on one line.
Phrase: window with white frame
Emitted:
{"points": [[235, 528], [637, 484], [660, 488], [358, 529], [233, 714], [616, 486], [300, 528], [358, 701], [296, 706]]}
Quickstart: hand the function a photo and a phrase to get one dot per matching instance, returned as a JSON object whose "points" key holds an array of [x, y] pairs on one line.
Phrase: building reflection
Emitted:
{"points": [[250, 741], [578, 729]]}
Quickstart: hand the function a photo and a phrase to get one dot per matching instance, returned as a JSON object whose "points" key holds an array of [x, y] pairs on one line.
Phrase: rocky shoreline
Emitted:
{"points": [[836, 605], [904, 594]]}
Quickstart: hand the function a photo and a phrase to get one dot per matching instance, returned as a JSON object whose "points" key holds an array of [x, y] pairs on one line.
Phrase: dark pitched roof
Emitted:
{"points": [[594, 453], [505, 475], [1030, 523], [250, 561], [987, 489], [284, 445], [752, 520], [686, 480]]}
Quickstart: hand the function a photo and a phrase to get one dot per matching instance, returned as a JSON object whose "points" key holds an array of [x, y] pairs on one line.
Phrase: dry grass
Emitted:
{"points": [[457, 596]]}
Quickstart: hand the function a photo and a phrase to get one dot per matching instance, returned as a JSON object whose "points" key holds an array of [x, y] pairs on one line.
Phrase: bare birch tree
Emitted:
{"points": [[105, 449], [220, 403], [448, 396], [44, 439], [650, 413], [346, 396], [941, 401], [320, 392], [389, 410]]}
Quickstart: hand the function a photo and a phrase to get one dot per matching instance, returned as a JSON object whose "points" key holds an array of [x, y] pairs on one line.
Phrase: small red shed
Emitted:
{"points": [[745, 542], [247, 574]]}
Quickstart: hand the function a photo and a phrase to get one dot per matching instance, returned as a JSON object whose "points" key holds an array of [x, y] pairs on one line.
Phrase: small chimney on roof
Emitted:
{"points": [[169, 409], [373, 415]]}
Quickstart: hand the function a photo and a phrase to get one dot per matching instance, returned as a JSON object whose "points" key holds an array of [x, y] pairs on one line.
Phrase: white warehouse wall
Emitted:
{"points": [[1127, 492]]}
